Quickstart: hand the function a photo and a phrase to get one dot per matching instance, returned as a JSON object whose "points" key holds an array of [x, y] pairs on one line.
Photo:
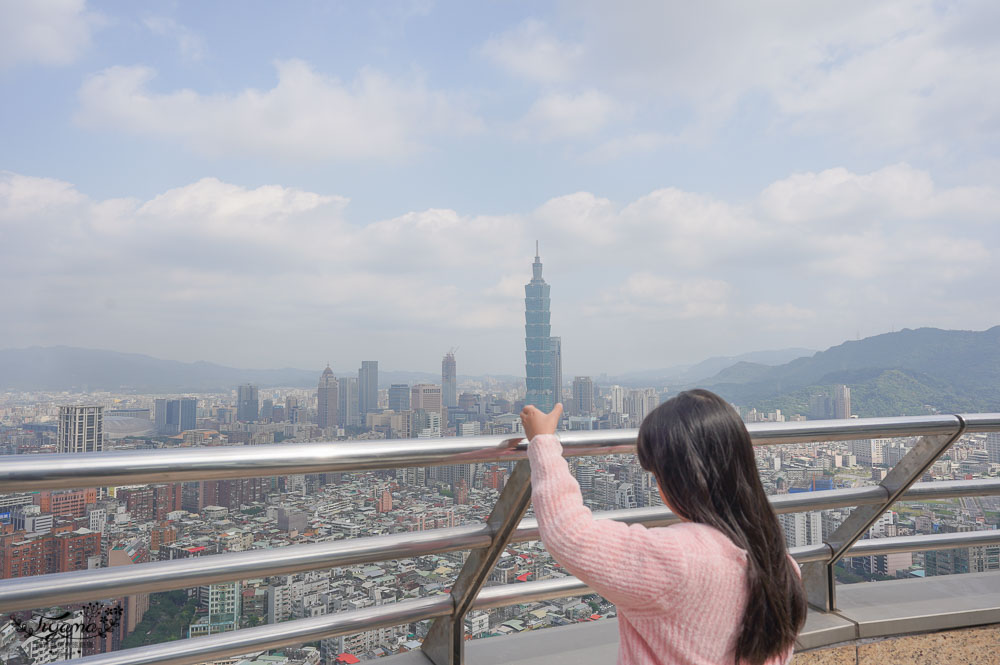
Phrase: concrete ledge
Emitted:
{"points": [[868, 614]]}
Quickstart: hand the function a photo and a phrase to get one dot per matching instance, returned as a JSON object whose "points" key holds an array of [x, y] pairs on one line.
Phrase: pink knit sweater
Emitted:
{"points": [[680, 590]]}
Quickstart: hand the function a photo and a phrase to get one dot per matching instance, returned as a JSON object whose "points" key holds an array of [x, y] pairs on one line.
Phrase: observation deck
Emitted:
{"points": [[879, 622]]}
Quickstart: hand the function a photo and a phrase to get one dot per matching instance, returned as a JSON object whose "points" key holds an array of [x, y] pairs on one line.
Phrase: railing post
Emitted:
{"points": [[818, 578], [445, 642]]}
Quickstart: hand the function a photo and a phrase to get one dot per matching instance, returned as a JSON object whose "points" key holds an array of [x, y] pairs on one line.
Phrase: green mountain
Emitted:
{"points": [[902, 373]]}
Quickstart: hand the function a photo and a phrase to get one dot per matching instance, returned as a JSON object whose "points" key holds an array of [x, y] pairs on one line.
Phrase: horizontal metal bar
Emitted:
{"points": [[530, 592], [184, 652], [813, 431], [273, 636], [819, 552], [48, 590], [950, 489], [35, 472], [800, 502], [981, 422], [526, 592], [651, 517], [937, 541]]}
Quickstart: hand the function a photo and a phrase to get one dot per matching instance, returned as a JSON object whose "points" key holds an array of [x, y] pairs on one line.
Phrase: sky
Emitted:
{"points": [[290, 184]]}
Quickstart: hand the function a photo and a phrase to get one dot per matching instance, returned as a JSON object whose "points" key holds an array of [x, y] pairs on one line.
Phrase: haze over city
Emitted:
{"points": [[276, 188]]}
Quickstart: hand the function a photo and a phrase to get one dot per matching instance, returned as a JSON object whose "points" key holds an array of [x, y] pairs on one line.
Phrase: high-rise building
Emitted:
{"points": [[348, 412], [81, 429], [841, 402], [449, 380], [583, 396], [802, 528], [425, 397], [555, 349], [993, 447], [328, 394], [367, 388], [539, 368], [247, 403], [399, 397]]}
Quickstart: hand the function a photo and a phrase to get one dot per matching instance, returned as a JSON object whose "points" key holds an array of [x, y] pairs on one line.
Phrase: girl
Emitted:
{"points": [[718, 587]]}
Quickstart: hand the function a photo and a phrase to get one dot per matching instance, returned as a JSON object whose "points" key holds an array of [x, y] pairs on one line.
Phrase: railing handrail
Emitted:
{"points": [[185, 652], [61, 471], [34, 472], [47, 590]]}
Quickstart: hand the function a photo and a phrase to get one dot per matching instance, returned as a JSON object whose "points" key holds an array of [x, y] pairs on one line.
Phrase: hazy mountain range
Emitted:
{"points": [[58, 368], [899, 373]]}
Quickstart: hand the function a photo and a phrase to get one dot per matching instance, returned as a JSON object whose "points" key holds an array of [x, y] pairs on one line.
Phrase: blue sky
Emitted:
{"points": [[267, 184]]}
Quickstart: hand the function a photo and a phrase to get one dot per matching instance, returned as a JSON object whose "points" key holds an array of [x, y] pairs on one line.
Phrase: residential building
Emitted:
{"points": [[81, 429]]}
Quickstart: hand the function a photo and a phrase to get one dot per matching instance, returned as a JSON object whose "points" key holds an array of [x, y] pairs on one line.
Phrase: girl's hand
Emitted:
{"points": [[535, 422]]}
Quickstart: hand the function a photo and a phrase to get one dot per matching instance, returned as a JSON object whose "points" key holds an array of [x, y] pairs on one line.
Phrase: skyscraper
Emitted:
{"points": [[426, 397], [81, 429], [841, 402], [539, 359], [348, 414], [247, 403], [174, 416], [328, 403], [399, 397], [583, 396], [449, 380], [367, 388], [555, 351]]}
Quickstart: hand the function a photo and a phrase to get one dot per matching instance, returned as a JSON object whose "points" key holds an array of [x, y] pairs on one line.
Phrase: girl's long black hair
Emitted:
{"points": [[700, 452]]}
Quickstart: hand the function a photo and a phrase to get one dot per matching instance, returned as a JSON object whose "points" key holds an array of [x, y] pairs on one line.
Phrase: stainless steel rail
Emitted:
{"points": [[273, 636], [115, 468], [36, 472], [45, 590], [185, 652]]}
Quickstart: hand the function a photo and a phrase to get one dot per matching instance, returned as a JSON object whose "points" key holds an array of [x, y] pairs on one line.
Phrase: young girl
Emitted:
{"points": [[718, 587]]}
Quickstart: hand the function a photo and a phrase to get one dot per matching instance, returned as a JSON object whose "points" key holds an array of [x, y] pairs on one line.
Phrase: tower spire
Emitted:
{"points": [[536, 249]]}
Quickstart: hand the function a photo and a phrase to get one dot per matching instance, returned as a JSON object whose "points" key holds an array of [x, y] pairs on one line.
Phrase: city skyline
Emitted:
{"points": [[835, 180]]}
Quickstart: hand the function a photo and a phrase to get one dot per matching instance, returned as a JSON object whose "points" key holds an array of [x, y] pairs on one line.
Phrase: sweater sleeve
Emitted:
{"points": [[630, 565]]}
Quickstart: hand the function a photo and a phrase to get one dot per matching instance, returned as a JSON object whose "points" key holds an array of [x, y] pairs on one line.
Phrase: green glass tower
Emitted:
{"points": [[539, 347]]}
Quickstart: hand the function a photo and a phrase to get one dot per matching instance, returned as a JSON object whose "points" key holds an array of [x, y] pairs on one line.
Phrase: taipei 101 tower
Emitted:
{"points": [[542, 353]]}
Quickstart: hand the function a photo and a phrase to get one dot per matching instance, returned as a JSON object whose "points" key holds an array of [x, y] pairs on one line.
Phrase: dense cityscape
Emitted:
{"points": [[59, 531]]}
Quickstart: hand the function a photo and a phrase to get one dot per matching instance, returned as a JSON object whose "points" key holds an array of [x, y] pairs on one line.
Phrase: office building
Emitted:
{"points": [[426, 397], [539, 368], [368, 388], [81, 429], [348, 414], [328, 399], [173, 416], [555, 351], [449, 380], [399, 397], [247, 404], [993, 447], [583, 396]]}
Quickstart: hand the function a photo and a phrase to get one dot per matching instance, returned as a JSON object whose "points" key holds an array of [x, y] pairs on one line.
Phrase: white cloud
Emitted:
{"points": [[558, 116], [54, 32], [236, 272], [919, 77], [189, 44], [305, 116], [655, 297], [531, 52]]}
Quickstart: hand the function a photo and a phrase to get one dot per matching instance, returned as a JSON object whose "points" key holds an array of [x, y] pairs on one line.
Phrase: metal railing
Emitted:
{"points": [[445, 641]]}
